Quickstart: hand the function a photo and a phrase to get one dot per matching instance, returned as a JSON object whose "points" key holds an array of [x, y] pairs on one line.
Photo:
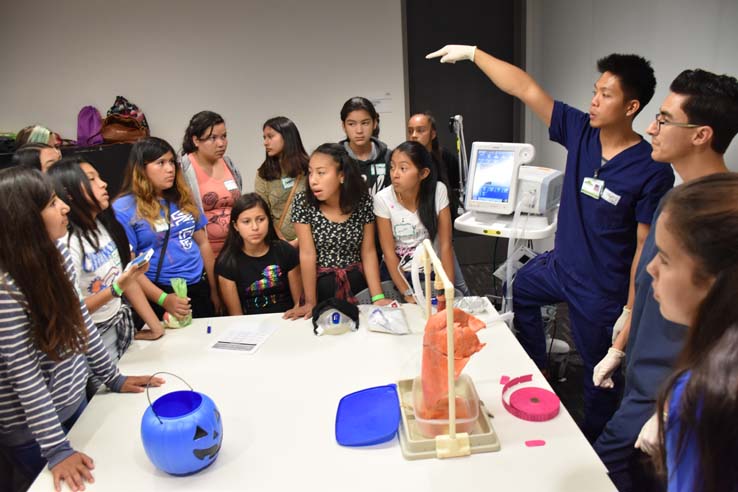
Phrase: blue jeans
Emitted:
{"points": [[26, 458]]}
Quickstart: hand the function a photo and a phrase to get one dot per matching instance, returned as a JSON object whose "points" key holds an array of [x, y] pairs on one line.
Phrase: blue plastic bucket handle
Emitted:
{"points": [[148, 385]]}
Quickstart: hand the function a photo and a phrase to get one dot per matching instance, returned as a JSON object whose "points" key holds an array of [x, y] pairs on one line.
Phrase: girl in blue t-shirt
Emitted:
{"points": [[695, 281], [157, 211], [257, 272]]}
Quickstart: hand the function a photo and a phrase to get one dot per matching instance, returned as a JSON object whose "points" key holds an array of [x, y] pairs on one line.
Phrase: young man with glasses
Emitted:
{"points": [[611, 190], [694, 126]]}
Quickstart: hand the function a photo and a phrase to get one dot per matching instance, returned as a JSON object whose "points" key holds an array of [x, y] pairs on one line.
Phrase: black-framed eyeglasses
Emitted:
{"points": [[660, 123]]}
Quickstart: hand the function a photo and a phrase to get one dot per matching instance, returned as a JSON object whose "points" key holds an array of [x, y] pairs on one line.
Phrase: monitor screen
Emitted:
{"points": [[493, 176]]}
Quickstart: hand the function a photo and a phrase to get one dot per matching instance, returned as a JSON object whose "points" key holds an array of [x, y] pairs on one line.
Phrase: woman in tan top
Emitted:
{"points": [[282, 174]]}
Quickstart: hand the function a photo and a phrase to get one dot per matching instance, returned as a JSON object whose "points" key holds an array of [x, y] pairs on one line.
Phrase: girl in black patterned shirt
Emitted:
{"points": [[334, 223]]}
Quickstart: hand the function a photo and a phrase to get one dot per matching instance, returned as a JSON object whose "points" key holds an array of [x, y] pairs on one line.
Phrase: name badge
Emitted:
{"points": [[593, 187], [379, 169], [230, 185], [288, 182], [610, 197], [161, 225], [404, 231]]}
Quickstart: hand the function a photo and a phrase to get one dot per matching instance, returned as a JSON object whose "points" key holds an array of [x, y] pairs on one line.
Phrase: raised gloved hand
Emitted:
{"points": [[602, 374], [451, 53], [622, 321], [648, 438]]}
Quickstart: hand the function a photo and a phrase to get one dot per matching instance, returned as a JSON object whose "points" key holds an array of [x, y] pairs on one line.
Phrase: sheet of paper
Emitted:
{"points": [[247, 338]]}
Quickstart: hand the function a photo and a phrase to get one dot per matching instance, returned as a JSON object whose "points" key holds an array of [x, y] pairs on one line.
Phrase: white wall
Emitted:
{"points": [[566, 37], [247, 60]]}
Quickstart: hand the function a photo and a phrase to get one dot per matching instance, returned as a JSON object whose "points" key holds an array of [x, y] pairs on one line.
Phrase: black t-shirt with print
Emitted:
{"points": [[262, 282]]}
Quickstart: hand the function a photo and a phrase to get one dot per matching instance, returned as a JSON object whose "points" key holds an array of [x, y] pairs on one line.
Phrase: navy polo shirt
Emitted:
{"points": [[595, 238], [654, 343]]}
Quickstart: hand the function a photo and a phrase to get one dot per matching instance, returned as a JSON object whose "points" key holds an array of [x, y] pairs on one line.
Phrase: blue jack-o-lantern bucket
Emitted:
{"points": [[181, 431]]}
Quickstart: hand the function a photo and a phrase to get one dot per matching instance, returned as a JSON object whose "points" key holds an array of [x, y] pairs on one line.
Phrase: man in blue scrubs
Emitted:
{"points": [[611, 190], [694, 126]]}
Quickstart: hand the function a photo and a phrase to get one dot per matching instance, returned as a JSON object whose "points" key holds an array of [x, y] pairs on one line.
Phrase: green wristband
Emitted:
{"points": [[117, 289], [162, 298], [378, 297]]}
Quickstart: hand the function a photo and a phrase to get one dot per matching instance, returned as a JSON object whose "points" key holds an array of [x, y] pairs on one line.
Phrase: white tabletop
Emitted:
{"points": [[279, 406]]}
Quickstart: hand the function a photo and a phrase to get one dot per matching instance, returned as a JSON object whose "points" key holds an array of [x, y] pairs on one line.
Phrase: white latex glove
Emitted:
{"points": [[648, 438], [451, 53], [620, 323], [602, 374]]}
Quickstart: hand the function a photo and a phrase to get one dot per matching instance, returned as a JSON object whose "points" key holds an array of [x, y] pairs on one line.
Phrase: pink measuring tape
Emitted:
{"points": [[530, 403]]}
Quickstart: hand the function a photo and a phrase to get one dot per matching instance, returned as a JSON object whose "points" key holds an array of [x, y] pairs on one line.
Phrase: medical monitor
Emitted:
{"points": [[493, 176]]}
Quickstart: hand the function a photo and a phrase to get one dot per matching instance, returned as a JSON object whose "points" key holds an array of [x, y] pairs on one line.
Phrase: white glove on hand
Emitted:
{"points": [[451, 53], [602, 374], [620, 323], [648, 438]]}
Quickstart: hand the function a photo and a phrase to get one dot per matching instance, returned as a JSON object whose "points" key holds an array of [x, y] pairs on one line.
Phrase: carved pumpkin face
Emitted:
{"points": [[204, 437], [182, 432]]}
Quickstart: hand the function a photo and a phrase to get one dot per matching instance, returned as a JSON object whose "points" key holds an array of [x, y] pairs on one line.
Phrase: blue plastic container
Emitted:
{"points": [[182, 432]]}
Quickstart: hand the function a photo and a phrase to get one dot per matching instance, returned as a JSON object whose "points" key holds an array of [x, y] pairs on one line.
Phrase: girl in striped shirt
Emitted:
{"points": [[48, 343]]}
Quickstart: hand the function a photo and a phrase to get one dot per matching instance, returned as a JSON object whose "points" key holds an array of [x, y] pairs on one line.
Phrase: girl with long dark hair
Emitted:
{"points": [[360, 122], [48, 343], [157, 211], [422, 128], [335, 229], [213, 177], [282, 174], [100, 253], [257, 272], [413, 209], [36, 155], [695, 281]]}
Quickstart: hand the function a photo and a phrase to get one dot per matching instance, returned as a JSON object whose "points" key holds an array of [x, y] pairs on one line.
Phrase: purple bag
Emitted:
{"points": [[89, 126]]}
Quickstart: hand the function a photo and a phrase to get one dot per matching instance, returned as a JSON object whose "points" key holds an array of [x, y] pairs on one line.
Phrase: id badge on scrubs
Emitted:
{"points": [[230, 185], [610, 197], [288, 182], [161, 225], [593, 187]]}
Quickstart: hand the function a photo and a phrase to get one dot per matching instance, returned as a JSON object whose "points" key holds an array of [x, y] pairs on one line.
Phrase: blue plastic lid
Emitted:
{"points": [[367, 417]]}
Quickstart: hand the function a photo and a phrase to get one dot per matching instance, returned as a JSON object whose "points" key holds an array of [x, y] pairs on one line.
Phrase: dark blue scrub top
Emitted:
{"points": [[596, 240], [654, 343]]}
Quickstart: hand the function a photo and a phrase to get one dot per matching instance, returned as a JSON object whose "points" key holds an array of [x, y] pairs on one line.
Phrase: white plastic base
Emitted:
{"points": [[531, 226]]}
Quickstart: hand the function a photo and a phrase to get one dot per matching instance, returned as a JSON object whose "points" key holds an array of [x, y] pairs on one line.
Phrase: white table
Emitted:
{"points": [[279, 405]]}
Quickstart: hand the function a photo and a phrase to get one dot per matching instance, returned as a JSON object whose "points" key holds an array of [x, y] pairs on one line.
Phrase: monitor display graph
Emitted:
{"points": [[493, 176]]}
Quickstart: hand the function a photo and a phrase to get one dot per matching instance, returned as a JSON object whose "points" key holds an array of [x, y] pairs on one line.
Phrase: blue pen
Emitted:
{"points": [[209, 329]]}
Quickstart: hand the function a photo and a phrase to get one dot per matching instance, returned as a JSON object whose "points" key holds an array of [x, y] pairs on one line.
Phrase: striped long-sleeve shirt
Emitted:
{"points": [[36, 393]]}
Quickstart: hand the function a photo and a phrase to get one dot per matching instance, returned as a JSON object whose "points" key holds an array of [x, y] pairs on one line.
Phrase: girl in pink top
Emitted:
{"points": [[214, 179]]}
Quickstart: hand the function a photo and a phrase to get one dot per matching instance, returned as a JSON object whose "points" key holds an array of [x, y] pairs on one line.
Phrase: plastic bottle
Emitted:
{"points": [[434, 305]]}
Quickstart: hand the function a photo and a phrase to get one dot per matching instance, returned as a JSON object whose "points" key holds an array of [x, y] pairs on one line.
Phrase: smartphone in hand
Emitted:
{"points": [[140, 259]]}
